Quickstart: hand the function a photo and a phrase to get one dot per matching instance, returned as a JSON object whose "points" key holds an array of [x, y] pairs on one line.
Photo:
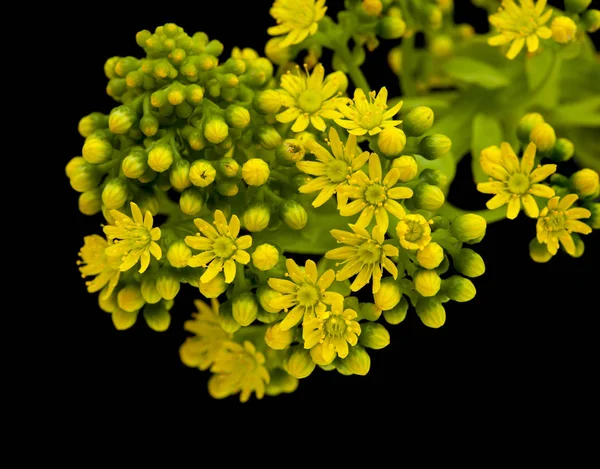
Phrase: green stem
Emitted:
{"points": [[356, 74], [266, 190], [240, 284], [450, 211]]}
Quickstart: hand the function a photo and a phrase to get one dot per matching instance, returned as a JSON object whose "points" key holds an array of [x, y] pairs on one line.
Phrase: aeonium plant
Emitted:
{"points": [[308, 211]]}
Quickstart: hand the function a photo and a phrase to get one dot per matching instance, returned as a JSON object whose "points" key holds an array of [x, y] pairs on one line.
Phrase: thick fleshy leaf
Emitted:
{"points": [[486, 131], [475, 72]]}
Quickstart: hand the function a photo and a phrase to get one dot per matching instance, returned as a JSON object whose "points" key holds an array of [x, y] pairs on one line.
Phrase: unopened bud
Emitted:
{"points": [[441, 46], [368, 311], [85, 178], [135, 164], [157, 317], [358, 361], [594, 219], [539, 251], [427, 282], [434, 177], [97, 150], [428, 197], [265, 257], [130, 298], [469, 263], [191, 201], [394, 60], [544, 137], [577, 6], [563, 29], [591, 20], [391, 141], [216, 130], [374, 335], [469, 228], [114, 194], [90, 202], [562, 151], [244, 308], [388, 295], [149, 291], [278, 339], [586, 183], [407, 166], [267, 102], [178, 254], [202, 173], [149, 125], [431, 256], [299, 363], [294, 215], [289, 151], [226, 319], [459, 289], [179, 175], [213, 288], [92, 122], [418, 121], [255, 172], [167, 285], [266, 296], [397, 314], [391, 27], [434, 146], [268, 137], [237, 117], [160, 157], [526, 125], [121, 119], [431, 312]]}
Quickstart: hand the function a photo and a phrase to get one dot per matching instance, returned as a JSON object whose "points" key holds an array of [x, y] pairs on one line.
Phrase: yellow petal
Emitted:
{"points": [[533, 42], [566, 202], [530, 206], [301, 123], [528, 158], [515, 48], [514, 207]]}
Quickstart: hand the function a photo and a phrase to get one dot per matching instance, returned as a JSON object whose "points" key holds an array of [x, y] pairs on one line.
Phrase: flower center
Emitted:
{"points": [[555, 221], [414, 231], [307, 295], [310, 101], [337, 171], [370, 119], [369, 252], [141, 236], [224, 247], [518, 184], [375, 194], [335, 326], [301, 16]]}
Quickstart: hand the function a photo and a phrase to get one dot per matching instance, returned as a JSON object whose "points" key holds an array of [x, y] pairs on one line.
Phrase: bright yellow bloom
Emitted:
{"points": [[297, 19], [240, 369], [202, 350], [332, 171], [558, 220], [515, 183], [134, 239], [94, 261], [414, 232], [368, 115], [364, 255], [309, 98], [375, 195], [520, 24], [221, 248], [305, 294], [332, 331]]}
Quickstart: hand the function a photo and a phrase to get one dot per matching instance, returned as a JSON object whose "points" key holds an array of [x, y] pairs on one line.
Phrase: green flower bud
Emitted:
{"points": [[407, 166], [90, 202], [167, 285], [157, 317], [560, 180], [276, 54], [135, 164], [388, 295], [586, 183], [434, 177], [149, 291], [418, 121], [544, 137], [299, 362], [259, 72], [294, 215], [358, 361], [469, 228], [441, 46], [594, 220], [191, 201], [373, 335], [130, 298], [122, 319], [226, 319], [85, 178], [121, 119], [213, 288], [391, 141], [280, 382], [74, 164], [579, 246], [289, 151], [394, 60], [160, 157], [431, 256], [268, 137], [539, 252], [109, 67], [431, 312], [372, 7], [255, 172], [178, 254], [265, 257], [202, 173], [434, 146], [149, 125], [194, 94], [266, 318], [267, 102], [244, 309], [108, 304], [116, 87], [577, 6], [563, 29], [256, 217], [465, 31], [97, 150], [469, 263], [368, 311], [397, 314], [526, 125], [114, 194], [459, 289], [216, 130], [237, 117], [562, 151], [428, 197], [439, 223], [391, 27], [179, 175], [278, 339], [228, 188], [92, 122], [427, 282], [591, 20]]}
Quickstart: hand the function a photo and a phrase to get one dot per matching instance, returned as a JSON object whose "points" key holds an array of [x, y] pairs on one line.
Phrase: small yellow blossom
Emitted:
{"points": [[375, 195], [297, 19], [520, 24], [305, 294], [368, 115], [414, 232], [309, 99], [221, 248], [558, 220], [134, 238], [332, 171], [332, 331], [238, 368], [563, 29], [515, 183], [365, 254], [95, 261]]}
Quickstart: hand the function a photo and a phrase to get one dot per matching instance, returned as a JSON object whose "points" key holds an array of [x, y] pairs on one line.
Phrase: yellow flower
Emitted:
{"points": [[557, 221], [221, 248], [202, 350], [520, 24], [368, 115], [306, 293], [240, 369], [332, 171], [375, 195], [297, 19], [134, 239], [515, 183], [364, 255], [332, 331], [309, 98], [414, 232], [94, 261]]}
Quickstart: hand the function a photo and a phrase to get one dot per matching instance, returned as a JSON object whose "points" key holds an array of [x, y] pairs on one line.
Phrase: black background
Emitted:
{"points": [[527, 334]]}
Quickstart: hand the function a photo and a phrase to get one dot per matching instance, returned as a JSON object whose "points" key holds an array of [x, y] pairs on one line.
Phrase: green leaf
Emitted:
{"points": [[486, 131], [583, 113], [587, 147], [475, 72], [543, 74]]}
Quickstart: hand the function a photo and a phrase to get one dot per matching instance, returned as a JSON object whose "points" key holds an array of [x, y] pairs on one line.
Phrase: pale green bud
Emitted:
{"points": [[358, 361], [289, 151], [92, 122], [157, 317], [397, 314], [135, 164], [130, 298], [280, 382], [228, 167], [226, 319], [266, 318], [267, 102], [539, 252], [265, 296], [562, 151], [433, 16], [586, 183], [244, 308], [594, 220], [544, 137], [108, 304], [90, 202], [216, 130], [469, 263], [459, 289], [428, 197], [97, 150], [213, 288], [265, 257], [179, 175], [427, 282], [114, 194], [178, 254], [431, 256], [469, 228], [194, 94], [591, 20], [441, 46], [121, 119], [407, 166], [434, 146], [577, 6], [237, 117], [394, 60], [374, 335], [391, 27], [440, 223], [191, 201], [526, 125], [268, 137], [294, 215], [149, 125], [202, 173], [122, 319], [74, 164], [299, 362], [368, 311], [431, 312], [256, 217], [160, 157], [434, 177], [388, 295], [418, 121], [278, 339], [167, 285], [391, 141], [149, 291]]}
